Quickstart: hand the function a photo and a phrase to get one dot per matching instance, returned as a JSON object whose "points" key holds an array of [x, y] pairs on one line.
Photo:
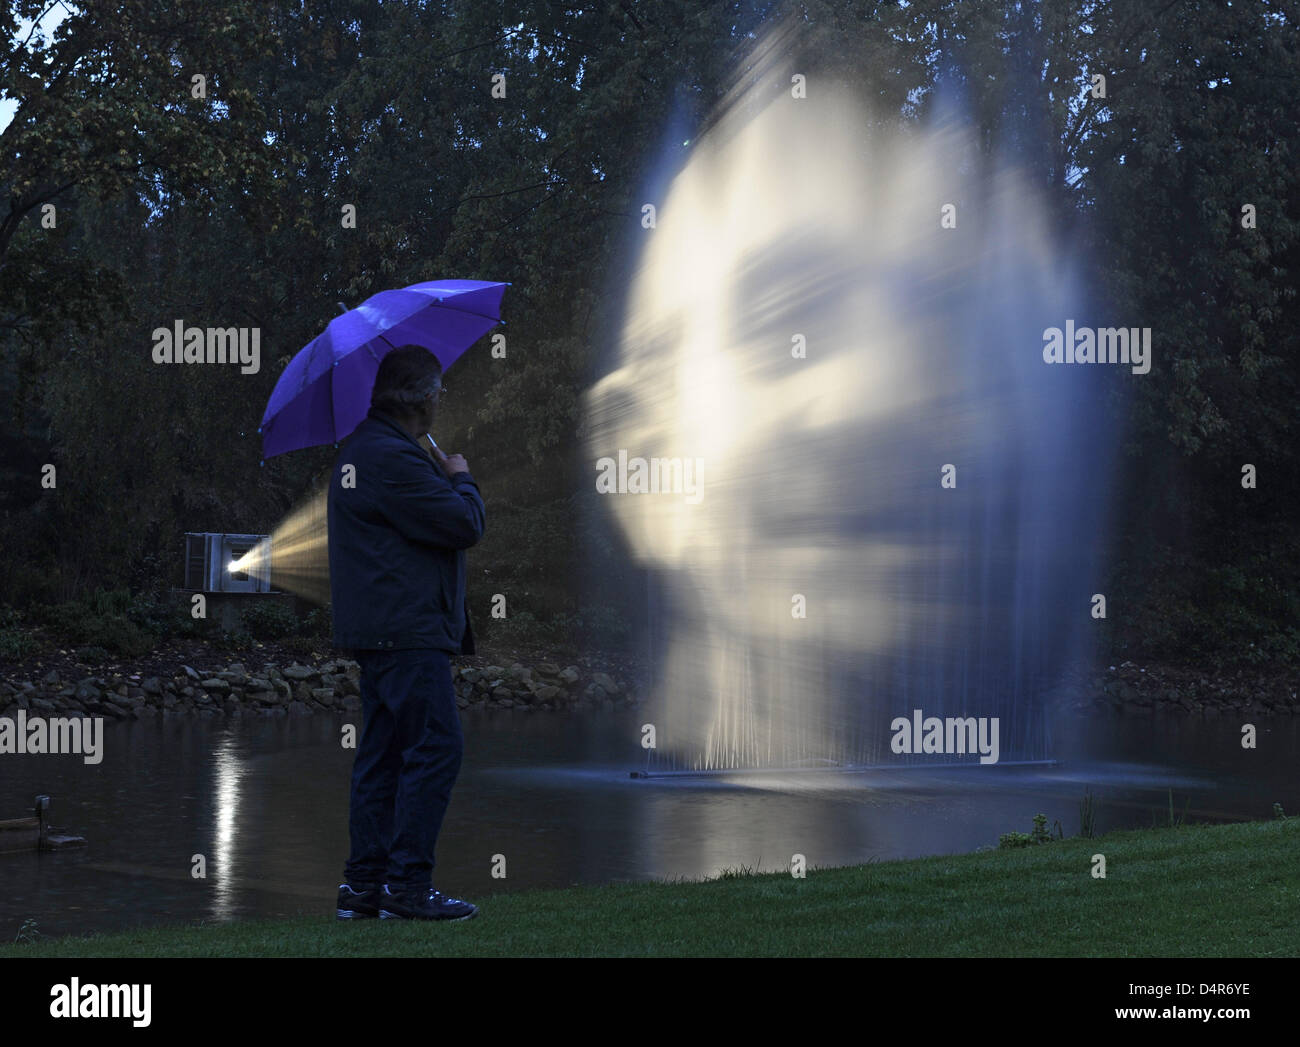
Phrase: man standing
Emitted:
{"points": [[401, 515]]}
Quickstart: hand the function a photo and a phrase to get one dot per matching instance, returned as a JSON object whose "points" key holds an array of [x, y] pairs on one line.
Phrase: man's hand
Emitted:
{"points": [[451, 463]]}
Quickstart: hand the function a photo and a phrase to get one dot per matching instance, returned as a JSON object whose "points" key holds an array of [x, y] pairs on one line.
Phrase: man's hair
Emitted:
{"points": [[406, 376]]}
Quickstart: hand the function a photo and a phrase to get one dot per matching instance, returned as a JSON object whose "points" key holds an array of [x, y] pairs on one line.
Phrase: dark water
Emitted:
{"points": [[266, 803]]}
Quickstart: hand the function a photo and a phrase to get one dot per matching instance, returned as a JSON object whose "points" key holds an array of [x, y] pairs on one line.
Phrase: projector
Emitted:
{"points": [[228, 563]]}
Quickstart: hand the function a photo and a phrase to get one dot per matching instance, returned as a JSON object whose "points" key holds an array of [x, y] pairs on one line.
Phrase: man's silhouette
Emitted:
{"points": [[401, 515]]}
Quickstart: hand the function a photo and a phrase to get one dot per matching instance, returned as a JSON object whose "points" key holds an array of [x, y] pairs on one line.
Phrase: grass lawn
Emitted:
{"points": [[1213, 891]]}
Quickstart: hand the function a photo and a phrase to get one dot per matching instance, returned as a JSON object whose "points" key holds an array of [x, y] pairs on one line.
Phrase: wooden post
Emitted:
{"points": [[42, 811]]}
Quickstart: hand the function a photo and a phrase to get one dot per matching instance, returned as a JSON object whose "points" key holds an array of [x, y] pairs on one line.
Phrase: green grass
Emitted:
{"points": [[1214, 891]]}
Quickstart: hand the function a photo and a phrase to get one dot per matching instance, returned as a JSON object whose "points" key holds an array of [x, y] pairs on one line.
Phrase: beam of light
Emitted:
{"points": [[816, 223], [297, 553], [300, 551]]}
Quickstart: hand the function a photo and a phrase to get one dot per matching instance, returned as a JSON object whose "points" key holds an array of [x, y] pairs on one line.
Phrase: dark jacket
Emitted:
{"points": [[397, 542]]}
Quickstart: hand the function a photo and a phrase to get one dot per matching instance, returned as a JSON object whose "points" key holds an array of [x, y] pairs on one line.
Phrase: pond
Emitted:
{"points": [[265, 803]]}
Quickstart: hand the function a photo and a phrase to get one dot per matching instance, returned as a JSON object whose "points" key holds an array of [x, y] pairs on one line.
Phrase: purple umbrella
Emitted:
{"points": [[324, 393]]}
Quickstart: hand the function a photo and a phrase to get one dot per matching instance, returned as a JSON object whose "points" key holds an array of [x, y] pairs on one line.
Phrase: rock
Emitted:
{"points": [[462, 703], [263, 697], [297, 708], [570, 675], [605, 681], [86, 691], [501, 694], [302, 692], [324, 695], [548, 669], [44, 705], [470, 675], [50, 679], [191, 673], [299, 672], [236, 668], [215, 684], [548, 693], [258, 683], [153, 685]]}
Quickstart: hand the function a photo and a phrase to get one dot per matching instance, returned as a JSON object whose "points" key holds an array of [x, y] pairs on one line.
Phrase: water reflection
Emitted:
{"points": [[226, 774]]}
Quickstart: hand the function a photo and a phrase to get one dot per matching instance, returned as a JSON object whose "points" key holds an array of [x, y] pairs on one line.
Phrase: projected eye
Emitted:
{"points": [[788, 287]]}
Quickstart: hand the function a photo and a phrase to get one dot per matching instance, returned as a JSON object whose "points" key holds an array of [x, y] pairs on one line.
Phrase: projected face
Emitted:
{"points": [[790, 328]]}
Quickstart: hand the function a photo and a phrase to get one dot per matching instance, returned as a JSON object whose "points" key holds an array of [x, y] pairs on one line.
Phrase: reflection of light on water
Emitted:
{"points": [[227, 771], [809, 222]]}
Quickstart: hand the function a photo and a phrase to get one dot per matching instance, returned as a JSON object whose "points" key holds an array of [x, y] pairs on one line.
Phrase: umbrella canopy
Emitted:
{"points": [[324, 393]]}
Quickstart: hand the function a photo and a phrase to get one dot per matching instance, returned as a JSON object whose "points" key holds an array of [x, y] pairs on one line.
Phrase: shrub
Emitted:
{"points": [[319, 622], [116, 635], [1039, 834], [101, 620], [15, 644], [269, 621]]}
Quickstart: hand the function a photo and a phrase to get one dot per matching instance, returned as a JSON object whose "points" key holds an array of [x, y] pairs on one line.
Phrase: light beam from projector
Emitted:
{"points": [[299, 552]]}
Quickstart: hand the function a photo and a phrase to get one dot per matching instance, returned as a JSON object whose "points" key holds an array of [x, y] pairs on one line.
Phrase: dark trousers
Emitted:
{"points": [[406, 764]]}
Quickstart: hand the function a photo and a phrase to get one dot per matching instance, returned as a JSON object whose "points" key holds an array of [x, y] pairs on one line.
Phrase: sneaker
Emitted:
{"points": [[358, 905], [431, 906]]}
